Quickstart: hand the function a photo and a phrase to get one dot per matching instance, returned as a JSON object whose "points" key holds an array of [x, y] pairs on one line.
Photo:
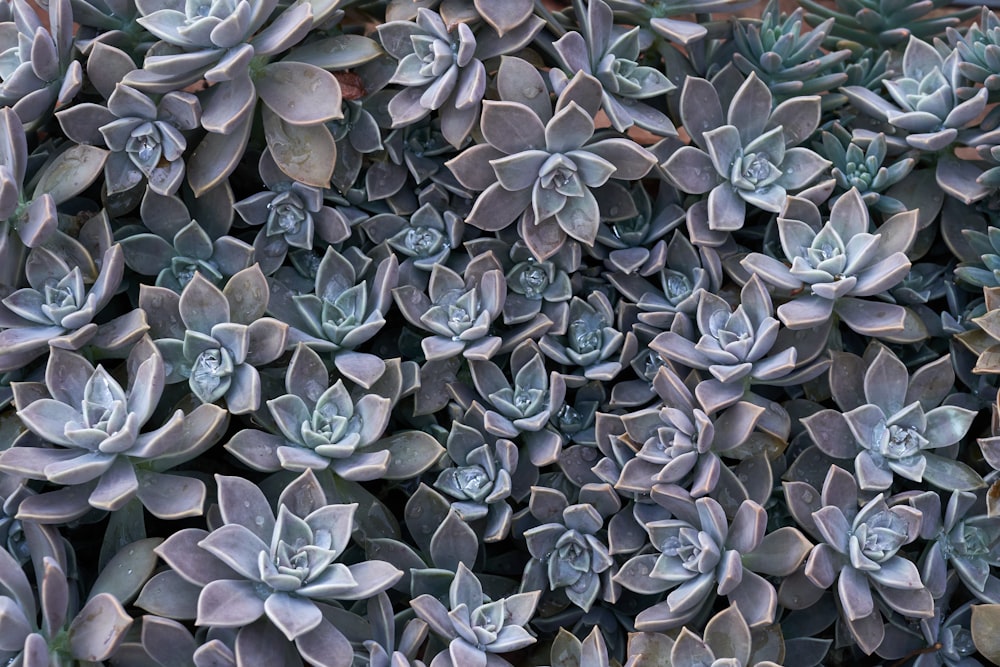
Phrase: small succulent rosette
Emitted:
{"points": [[271, 575]]}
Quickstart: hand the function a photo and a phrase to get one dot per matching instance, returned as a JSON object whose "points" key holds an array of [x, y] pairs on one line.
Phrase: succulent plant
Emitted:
{"points": [[727, 640], [441, 68], [502, 18], [535, 287], [751, 157], [701, 550], [475, 627], [459, 311], [614, 61], [885, 24], [860, 549], [681, 442], [892, 430], [966, 541], [521, 409], [425, 238], [214, 339], [636, 244], [789, 62], [174, 251], [321, 425], [862, 168], [58, 309], [87, 436], [739, 347], [569, 651], [928, 109], [480, 481], [291, 214], [340, 313], [840, 262], [567, 552], [272, 574], [590, 343], [146, 137], [67, 633], [38, 70], [545, 171], [977, 48]]}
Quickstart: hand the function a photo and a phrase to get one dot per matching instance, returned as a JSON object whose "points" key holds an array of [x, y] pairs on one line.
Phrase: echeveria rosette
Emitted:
{"points": [[346, 308], [833, 266], [319, 426], [54, 630], [503, 18], [476, 628], [978, 49], [636, 245], [962, 540], [701, 554], [145, 137], [891, 431], [860, 548], [441, 69], [88, 435], [271, 577], [740, 347], [681, 444], [545, 287], [480, 481], [546, 167], [213, 339], [749, 156], [931, 117], [58, 309], [855, 166], [291, 215], [521, 409], [790, 60], [727, 640], [457, 311], [591, 346], [613, 59], [174, 251], [985, 272], [567, 553], [38, 69], [216, 41]]}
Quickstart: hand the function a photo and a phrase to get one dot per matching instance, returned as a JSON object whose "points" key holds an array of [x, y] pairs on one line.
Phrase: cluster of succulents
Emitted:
{"points": [[483, 333]]}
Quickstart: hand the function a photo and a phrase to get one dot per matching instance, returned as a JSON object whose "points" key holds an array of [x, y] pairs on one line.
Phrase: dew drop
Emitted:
{"points": [[807, 496]]}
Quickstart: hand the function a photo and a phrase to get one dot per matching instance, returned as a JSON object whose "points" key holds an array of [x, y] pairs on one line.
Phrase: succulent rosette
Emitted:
{"points": [[87, 436], [345, 308], [146, 137], [457, 311], [749, 156], [545, 166], [480, 481], [272, 574], [892, 431], [702, 550], [37, 65], [612, 59], [476, 628], [441, 67], [740, 347], [319, 426], [591, 346], [291, 215], [521, 409], [213, 338], [567, 552], [864, 167], [58, 309], [832, 266], [861, 550]]}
